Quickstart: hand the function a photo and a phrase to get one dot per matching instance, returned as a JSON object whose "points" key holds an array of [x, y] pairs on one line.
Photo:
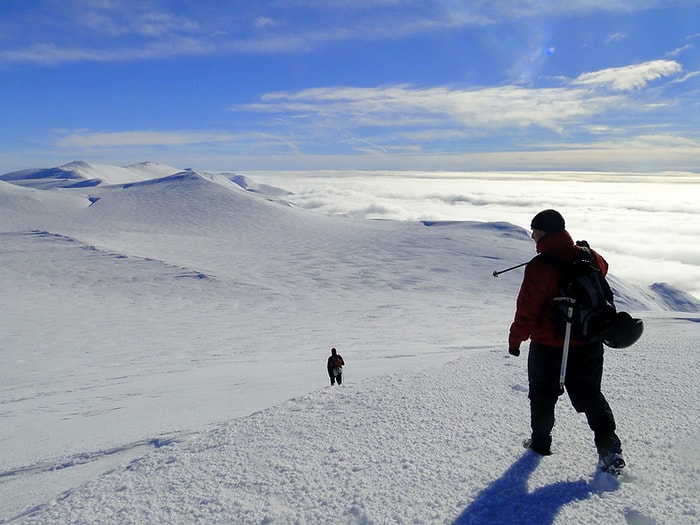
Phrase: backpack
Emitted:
{"points": [[583, 287]]}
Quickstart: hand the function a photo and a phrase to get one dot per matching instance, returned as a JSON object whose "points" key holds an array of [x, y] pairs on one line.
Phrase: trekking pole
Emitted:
{"points": [[567, 340], [496, 273]]}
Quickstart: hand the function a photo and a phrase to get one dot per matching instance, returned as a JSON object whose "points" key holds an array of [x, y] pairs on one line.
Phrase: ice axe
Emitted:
{"points": [[496, 273], [570, 302]]}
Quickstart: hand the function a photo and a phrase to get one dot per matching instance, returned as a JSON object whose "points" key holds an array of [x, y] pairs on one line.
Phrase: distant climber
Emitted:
{"points": [[335, 367]]}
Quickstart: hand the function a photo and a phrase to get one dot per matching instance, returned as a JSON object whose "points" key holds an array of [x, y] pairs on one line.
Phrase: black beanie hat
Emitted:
{"points": [[549, 221]]}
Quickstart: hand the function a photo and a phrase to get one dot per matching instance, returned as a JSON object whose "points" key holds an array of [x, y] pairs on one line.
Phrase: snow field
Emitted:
{"points": [[163, 346], [436, 445]]}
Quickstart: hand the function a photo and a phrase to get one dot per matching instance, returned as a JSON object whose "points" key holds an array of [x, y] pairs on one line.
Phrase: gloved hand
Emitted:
{"points": [[513, 345]]}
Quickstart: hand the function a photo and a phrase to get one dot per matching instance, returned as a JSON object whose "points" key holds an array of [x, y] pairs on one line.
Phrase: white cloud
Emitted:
{"points": [[158, 24], [52, 54], [659, 207], [263, 21], [406, 108], [674, 53], [118, 18], [630, 77], [87, 139], [615, 37]]}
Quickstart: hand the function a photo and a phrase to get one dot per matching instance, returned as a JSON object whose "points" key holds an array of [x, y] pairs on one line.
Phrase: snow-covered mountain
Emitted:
{"points": [[163, 346], [81, 174]]}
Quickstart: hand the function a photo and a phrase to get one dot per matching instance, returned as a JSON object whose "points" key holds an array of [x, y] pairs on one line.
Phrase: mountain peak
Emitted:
{"points": [[79, 173]]}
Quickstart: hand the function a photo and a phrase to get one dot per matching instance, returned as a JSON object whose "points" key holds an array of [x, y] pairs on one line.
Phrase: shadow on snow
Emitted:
{"points": [[507, 499]]}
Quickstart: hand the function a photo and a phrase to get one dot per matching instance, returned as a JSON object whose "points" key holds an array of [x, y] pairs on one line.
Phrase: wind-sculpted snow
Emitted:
{"points": [[263, 189], [436, 445]]}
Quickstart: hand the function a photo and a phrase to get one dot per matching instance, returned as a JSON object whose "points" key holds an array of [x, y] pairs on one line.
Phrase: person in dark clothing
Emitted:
{"points": [[335, 367], [535, 320]]}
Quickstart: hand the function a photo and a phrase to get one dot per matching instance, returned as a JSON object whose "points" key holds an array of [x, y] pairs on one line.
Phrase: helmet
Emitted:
{"points": [[623, 331]]}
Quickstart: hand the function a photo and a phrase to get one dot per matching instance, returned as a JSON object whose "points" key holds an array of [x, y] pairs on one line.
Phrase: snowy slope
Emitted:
{"points": [[437, 445], [144, 321]]}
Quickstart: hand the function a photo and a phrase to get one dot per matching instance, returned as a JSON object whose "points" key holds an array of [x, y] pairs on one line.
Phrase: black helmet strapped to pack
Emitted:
{"points": [[623, 331]]}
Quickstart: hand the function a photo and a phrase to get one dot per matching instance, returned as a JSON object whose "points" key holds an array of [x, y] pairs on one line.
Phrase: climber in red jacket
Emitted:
{"points": [[535, 320]]}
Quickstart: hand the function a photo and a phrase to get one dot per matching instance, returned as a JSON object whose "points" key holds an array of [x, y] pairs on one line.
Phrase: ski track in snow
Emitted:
{"points": [[164, 367]]}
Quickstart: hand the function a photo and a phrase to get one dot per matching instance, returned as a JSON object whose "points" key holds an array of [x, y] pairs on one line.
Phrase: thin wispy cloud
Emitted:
{"points": [[616, 37], [630, 77], [215, 142], [401, 106], [678, 51], [440, 112], [83, 139], [95, 31]]}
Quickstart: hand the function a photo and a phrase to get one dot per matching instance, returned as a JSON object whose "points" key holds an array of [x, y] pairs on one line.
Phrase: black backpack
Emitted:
{"points": [[583, 287]]}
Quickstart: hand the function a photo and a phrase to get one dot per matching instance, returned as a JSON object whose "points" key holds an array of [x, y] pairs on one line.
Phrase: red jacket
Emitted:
{"points": [[534, 315]]}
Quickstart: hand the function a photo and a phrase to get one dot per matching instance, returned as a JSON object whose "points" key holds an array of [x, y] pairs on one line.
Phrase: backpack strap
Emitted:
{"points": [[560, 264], [585, 254], [551, 260]]}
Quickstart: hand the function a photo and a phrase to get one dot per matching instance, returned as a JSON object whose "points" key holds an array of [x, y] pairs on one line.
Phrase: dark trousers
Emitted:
{"points": [[338, 378], [583, 379]]}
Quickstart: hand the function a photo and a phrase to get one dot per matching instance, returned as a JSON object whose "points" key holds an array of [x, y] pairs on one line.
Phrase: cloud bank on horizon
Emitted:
{"points": [[380, 84], [646, 226]]}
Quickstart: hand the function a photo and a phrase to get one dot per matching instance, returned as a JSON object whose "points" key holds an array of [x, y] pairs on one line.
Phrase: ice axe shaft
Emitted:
{"points": [[567, 340], [496, 273]]}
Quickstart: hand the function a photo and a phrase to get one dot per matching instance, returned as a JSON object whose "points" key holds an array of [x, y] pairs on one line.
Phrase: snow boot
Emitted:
{"points": [[611, 463], [543, 449]]}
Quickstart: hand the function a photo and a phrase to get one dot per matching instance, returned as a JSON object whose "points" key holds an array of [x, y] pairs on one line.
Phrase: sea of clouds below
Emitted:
{"points": [[646, 225]]}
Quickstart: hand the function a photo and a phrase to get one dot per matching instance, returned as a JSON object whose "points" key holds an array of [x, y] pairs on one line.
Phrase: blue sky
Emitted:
{"points": [[352, 84]]}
